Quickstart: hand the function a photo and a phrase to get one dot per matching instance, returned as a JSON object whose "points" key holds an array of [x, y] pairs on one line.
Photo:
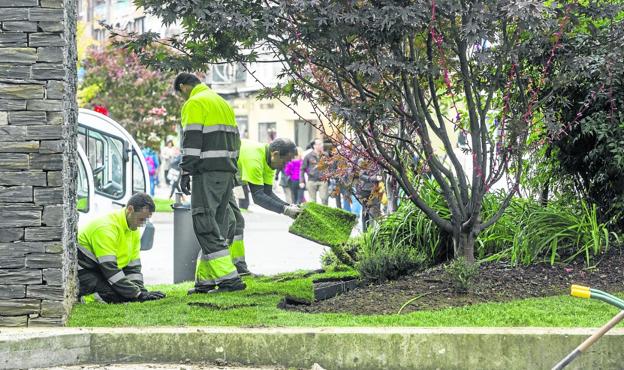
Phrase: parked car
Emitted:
{"points": [[111, 168]]}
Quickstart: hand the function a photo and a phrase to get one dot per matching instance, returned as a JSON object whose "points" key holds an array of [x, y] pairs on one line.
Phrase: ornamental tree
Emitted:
{"points": [[399, 79], [138, 98], [585, 120]]}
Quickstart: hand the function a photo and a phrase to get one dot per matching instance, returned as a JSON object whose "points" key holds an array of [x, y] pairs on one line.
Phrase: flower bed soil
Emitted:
{"points": [[496, 282]]}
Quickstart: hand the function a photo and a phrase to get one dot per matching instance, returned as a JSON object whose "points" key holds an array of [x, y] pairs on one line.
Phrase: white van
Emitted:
{"points": [[111, 168]]}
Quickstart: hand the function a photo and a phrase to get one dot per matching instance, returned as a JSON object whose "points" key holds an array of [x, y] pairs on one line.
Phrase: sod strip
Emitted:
{"points": [[323, 225]]}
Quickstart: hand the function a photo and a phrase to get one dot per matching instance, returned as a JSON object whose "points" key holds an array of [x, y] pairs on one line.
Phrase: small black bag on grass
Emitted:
{"points": [[324, 225]]}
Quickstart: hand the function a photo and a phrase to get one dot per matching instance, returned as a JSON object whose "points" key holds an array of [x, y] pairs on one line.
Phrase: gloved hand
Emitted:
{"points": [[150, 296], [158, 294], [292, 211], [185, 184]]}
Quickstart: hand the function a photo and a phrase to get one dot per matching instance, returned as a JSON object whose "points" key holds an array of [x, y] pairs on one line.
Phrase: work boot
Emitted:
{"points": [[249, 273], [231, 287], [200, 290]]}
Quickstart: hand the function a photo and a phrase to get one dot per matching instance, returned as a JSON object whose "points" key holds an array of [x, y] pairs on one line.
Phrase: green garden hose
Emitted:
{"points": [[586, 292]]}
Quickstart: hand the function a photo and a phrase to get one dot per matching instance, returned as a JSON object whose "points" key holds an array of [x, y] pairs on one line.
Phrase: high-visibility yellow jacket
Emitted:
{"points": [[210, 140], [108, 245]]}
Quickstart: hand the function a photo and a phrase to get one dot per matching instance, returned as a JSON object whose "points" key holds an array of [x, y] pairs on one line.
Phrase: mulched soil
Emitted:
{"points": [[496, 282]]}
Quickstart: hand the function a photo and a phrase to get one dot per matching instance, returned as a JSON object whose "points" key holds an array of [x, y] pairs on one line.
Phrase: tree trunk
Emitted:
{"points": [[543, 199], [463, 245]]}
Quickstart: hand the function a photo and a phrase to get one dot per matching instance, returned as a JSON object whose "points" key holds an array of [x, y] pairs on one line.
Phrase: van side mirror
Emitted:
{"points": [[147, 239]]}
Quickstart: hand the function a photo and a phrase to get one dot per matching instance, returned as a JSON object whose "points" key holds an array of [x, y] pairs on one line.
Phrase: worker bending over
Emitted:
{"points": [[256, 167], [109, 265]]}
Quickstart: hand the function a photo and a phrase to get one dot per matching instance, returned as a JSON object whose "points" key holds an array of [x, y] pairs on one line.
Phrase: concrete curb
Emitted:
{"points": [[332, 348]]}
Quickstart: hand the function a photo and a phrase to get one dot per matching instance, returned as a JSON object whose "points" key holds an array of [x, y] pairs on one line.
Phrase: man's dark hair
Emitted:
{"points": [[140, 201], [186, 79], [283, 147]]}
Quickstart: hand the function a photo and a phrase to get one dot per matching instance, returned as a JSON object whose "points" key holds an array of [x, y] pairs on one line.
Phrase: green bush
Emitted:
{"points": [[461, 274], [380, 262]]}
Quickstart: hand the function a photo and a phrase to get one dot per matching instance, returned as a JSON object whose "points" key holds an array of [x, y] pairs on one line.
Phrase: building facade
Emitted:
{"points": [[122, 15], [262, 120]]}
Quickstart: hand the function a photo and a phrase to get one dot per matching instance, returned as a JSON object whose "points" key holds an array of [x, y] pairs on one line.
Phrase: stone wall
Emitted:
{"points": [[37, 163]]}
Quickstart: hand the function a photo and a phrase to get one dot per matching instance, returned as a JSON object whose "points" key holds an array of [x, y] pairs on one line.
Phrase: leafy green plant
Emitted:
{"points": [[559, 232], [461, 274], [379, 261]]}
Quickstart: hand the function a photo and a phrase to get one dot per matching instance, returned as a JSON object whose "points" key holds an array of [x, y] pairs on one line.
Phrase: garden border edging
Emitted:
{"points": [[332, 348]]}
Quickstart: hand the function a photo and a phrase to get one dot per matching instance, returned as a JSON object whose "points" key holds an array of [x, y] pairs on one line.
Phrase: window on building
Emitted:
{"points": [[240, 73], [304, 133], [220, 73], [228, 73], [243, 126], [139, 25], [266, 132], [99, 34]]}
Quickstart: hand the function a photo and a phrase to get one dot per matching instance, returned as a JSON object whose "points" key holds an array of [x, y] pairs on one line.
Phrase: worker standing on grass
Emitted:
{"points": [[210, 149], [257, 164], [109, 266]]}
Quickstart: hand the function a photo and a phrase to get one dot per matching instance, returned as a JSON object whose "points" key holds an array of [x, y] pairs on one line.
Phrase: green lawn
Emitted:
{"points": [[256, 307], [163, 205]]}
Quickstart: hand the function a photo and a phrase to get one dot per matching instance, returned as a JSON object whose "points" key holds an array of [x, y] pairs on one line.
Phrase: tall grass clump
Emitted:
{"points": [[529, 233]]}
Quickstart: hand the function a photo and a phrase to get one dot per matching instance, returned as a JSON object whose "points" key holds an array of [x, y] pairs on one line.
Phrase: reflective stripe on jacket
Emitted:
{"points": [[108, 245], [210, 139]]}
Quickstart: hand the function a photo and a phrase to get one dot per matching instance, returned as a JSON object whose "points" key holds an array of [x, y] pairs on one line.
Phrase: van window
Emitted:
{"points": [[82, 188], [138, 176], [105, 153]]}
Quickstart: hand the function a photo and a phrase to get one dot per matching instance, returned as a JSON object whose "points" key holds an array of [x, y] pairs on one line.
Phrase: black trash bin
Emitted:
{"points": [[185, 245]]}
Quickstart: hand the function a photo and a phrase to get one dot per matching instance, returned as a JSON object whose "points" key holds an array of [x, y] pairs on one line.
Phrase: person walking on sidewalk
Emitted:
{"points": [[315, 182], [293, 171], [210, 148], [109, 263], [257, 164]]}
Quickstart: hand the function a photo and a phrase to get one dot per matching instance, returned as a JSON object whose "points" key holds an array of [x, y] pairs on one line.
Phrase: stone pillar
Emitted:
{"points": [[37, 161]]}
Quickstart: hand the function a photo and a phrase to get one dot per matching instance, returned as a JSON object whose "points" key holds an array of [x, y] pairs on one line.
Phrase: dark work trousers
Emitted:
{"points": [[235, 236], [297, 192], [91, 281], [210, 195]]}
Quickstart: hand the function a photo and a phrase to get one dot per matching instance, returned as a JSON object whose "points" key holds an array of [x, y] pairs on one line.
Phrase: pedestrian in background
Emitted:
{"points": [[284, 182], [153, 164], [168, 153], [293, 171], [367, 188], [315, 184]]}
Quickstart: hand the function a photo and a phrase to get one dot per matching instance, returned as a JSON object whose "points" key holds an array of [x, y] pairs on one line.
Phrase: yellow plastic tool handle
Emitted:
{"points": [[580, 291]]}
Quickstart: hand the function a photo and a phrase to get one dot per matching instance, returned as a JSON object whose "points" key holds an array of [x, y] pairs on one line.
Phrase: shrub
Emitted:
{"points": [[461, 274], [379, 261]]}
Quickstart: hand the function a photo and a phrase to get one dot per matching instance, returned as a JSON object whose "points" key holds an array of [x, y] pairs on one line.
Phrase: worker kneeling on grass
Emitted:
{"points": [[257, 164], [109, 265]]}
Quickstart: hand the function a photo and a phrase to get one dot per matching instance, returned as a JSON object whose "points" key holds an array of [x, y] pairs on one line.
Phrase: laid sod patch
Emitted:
{"points": [[324, 225], [257, 307], [163, 205]]}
